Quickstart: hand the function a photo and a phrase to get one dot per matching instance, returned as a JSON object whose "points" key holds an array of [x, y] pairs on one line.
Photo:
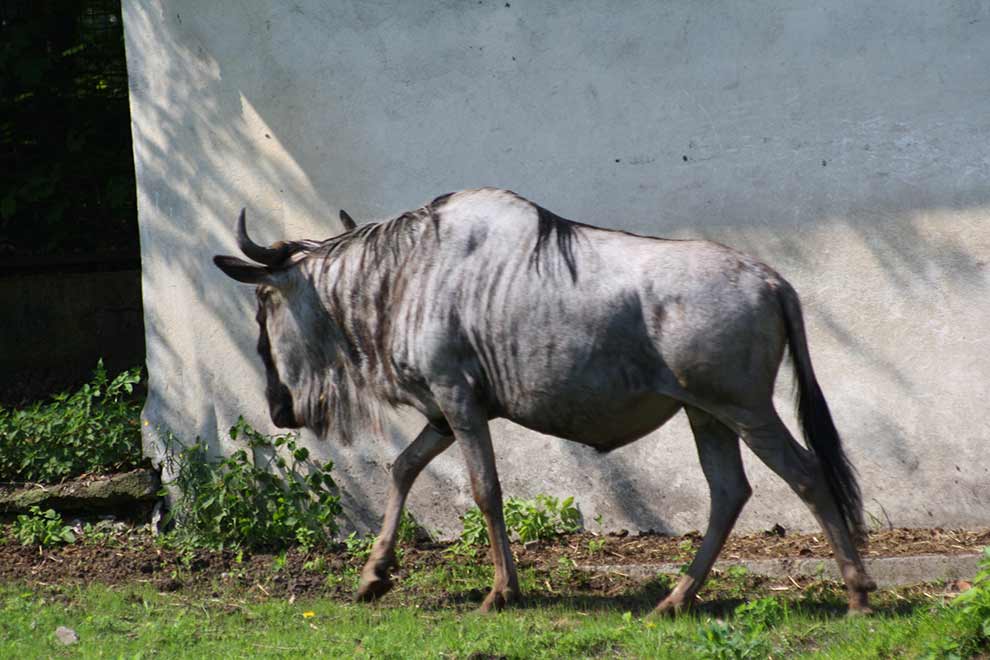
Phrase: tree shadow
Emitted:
{"points": [[640, 601]]}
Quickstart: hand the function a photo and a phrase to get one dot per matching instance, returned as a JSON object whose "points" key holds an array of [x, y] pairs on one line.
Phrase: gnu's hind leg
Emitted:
{"points": [[801, 469], [718, 449]]}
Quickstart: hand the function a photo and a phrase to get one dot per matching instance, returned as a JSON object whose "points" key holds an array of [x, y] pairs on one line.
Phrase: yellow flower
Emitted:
{"points": [[308, 615]]}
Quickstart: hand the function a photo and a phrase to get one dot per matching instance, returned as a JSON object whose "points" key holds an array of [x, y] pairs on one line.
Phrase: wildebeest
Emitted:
{"points": [[482, 304]]}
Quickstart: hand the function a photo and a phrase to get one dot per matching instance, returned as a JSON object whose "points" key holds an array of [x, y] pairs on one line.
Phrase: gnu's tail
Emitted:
{"points": [[816, 419]]}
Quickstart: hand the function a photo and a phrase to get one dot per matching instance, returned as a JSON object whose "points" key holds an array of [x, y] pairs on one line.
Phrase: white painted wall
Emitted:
{"points": [[845, 143]]}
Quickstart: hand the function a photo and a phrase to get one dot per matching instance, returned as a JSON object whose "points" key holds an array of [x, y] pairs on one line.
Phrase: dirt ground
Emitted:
{"points": [[132, 556]]}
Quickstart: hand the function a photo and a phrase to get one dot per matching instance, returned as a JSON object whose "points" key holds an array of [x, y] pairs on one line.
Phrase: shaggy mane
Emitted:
{"points": [[349, 376]]}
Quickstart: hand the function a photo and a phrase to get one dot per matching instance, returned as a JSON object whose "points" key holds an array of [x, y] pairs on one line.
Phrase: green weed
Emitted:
{"points": [[720, 640], [317, 564], [596, 546], [972, 615], [44, 528], [409, 529], [95, 429], [734, 582], [359, 547], [565, 568], [744, 637], [269, 495], [539, 519], [761, 615]]}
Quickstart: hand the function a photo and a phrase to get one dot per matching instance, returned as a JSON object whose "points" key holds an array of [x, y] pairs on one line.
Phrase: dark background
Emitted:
{"points": [[69, 254]]}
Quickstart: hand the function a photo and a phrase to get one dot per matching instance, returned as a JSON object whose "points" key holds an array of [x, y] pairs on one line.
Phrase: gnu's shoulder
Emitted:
{"points": [[490, 203]]}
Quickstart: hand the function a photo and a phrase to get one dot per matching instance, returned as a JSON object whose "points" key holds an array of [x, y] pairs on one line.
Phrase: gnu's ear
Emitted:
{"points": [[347, 220], [241, 270]]}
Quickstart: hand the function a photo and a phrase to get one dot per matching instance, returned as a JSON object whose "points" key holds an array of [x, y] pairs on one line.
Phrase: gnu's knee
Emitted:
{"points": [[808, 478], [403, 473], [805, 488], [487, 496], [441, 427], [736, 496]]}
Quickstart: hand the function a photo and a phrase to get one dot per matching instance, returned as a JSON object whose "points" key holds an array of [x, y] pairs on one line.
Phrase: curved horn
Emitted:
{"points": [[347, 220], [263, 255]]}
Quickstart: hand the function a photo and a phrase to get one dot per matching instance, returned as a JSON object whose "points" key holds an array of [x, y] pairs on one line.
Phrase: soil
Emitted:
{"points": [[131, 556], [775, 544]]}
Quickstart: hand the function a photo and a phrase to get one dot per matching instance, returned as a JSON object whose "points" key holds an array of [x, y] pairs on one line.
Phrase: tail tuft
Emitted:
{"points": [[816, 421]]}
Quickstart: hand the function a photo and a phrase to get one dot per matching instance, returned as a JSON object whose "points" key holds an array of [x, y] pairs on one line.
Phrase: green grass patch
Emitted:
{"points": [[139, 622]]}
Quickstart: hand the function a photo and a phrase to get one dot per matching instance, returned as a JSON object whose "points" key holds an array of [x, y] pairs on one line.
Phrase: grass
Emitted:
{"points": [[137, 621], [431, 611]]}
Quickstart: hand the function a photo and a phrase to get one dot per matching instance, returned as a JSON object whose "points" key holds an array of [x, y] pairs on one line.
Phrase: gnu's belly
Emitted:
{"points": [[602, 424]]}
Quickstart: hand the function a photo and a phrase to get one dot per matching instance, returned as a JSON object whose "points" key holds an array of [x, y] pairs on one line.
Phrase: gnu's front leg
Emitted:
{"points": [[477, 446], [429, 444], [469, 422]]}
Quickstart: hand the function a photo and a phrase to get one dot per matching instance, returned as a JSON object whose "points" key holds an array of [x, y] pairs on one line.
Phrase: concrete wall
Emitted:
{"points": [[845, 143]]}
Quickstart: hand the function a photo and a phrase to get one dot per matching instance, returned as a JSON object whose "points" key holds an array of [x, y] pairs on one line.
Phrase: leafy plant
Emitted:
{"points": [[474, 533], [596, 546], [101, 533], [945, 648], [565, 568], [357, 546], [95, 429], [720, 640], [409, 529], [317, 564], [744, 637], [44, 528], [540, 519], [269, 495], [734, 582], [973, 612], [761, 614], [348, 578]]}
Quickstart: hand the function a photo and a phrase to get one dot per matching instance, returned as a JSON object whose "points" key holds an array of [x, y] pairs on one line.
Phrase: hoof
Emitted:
{"points": [[669, 607], [860, 611], [497, 600], [859, 603], [373, 589]]}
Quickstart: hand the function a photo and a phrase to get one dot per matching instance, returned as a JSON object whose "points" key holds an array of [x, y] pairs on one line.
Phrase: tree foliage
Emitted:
{"points": [[66, 167]]}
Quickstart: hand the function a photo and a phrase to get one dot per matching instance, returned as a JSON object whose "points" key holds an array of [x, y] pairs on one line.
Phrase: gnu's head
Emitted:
{"points": [[281, 342], [312, 380]]}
